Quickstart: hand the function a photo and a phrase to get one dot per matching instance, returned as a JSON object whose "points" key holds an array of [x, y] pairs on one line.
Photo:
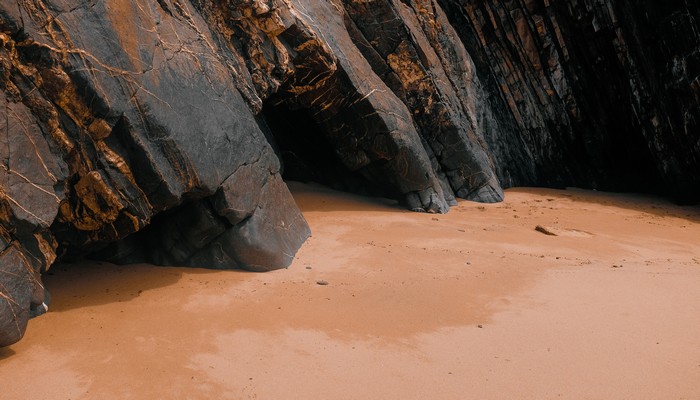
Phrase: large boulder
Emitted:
{"points": [[121, 116]]}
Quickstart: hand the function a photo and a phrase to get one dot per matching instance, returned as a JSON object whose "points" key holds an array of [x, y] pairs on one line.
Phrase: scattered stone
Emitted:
{"points": [[322, 283]]}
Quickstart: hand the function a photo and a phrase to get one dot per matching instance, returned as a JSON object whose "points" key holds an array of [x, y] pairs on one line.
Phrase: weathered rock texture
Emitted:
{"points": [[604, 94], [158, 130], [121, 116]]}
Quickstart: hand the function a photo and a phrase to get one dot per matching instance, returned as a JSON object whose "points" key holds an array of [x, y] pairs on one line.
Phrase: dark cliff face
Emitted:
{"points": [[158, 131], [604, 94]]}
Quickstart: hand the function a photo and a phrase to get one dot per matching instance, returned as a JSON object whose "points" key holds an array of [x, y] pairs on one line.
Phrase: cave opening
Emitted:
{"points": [[307, 152]]}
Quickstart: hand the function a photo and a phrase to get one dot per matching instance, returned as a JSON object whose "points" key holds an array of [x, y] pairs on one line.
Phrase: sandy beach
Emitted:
{"points": [[382, 303]]}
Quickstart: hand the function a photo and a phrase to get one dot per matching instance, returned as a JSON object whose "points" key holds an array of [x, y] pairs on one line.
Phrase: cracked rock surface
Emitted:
{"points": [[159, 130]]}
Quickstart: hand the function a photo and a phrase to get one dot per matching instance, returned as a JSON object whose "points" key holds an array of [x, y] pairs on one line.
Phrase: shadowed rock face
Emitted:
{"points": [[121, 116], [158, 130], [603, 94]]}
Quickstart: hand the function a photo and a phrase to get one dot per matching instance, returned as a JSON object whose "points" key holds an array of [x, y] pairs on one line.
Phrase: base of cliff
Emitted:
{"points": [[384, 303]]}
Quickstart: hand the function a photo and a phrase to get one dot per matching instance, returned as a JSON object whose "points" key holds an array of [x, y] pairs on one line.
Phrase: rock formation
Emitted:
{"points": [[604, 94], [159, 130]]}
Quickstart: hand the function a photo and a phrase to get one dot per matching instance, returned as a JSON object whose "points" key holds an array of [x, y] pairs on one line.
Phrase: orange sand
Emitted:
{"points": [[474, 304]]}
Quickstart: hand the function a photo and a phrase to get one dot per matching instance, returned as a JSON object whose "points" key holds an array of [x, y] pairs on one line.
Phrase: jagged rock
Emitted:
{"points": [[302, 51], [604, 94], [415, 51], [118, 112], [153, 130]]}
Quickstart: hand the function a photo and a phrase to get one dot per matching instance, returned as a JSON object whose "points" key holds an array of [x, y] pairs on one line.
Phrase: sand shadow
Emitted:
{"points": [[645, 203], [315, 197], [6, 352], [92, 283]]}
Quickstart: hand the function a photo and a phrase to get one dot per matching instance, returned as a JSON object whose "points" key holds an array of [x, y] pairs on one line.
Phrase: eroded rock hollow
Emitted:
{"points": [[159, 130]]}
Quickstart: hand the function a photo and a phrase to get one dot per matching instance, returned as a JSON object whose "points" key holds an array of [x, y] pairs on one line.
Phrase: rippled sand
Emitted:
{"points": [[475, 304]]}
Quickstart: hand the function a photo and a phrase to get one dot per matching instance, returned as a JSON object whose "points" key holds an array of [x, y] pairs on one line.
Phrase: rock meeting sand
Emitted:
{"points": [[475, 304]]}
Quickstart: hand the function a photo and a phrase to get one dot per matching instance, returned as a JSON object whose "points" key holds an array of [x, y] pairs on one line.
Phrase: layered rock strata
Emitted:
{"points": [[605, 94], [159, 130]]}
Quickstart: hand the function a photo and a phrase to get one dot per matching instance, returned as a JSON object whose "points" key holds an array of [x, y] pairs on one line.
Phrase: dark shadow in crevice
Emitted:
{"points": [[308, 155]]}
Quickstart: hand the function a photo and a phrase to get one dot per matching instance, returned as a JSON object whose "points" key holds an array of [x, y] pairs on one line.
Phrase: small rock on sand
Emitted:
{"points": [[322, 283], [552, 231], [545, 230]]}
